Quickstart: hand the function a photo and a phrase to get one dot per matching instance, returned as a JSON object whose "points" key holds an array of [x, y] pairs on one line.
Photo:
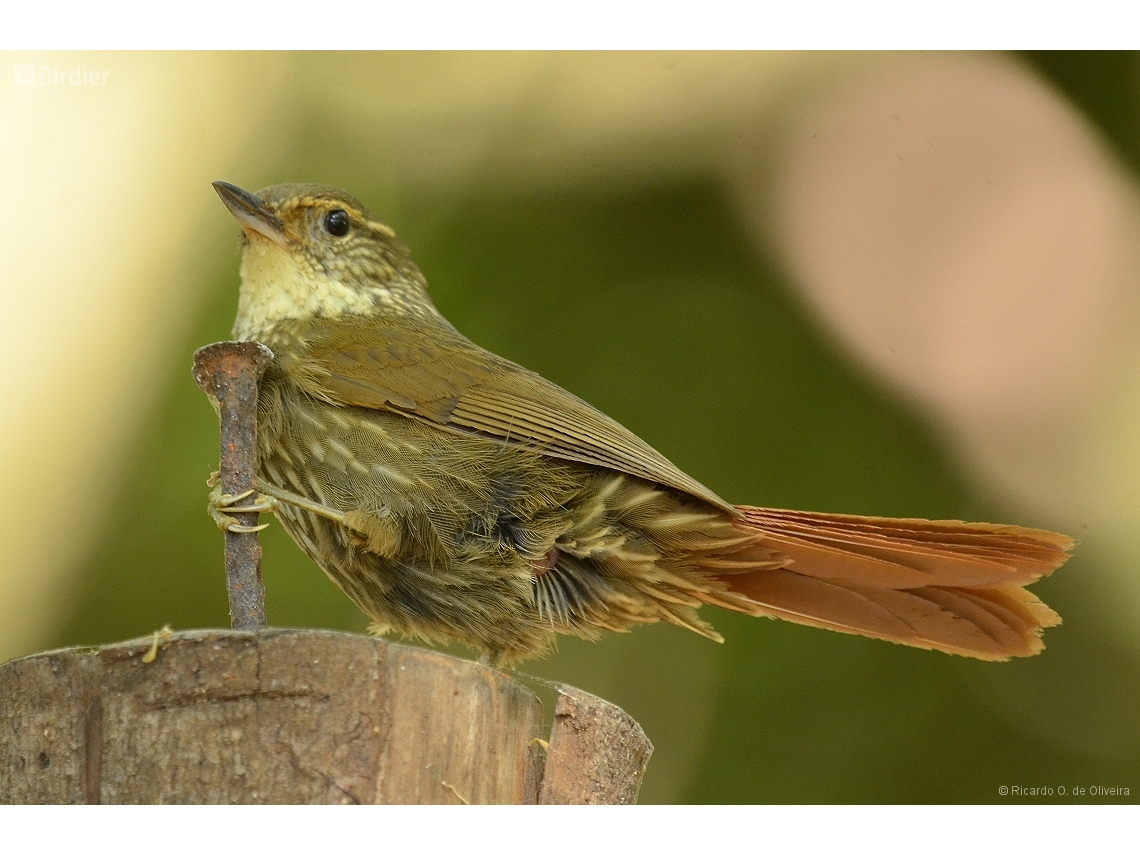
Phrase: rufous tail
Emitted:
{"points": [[940, 585]]}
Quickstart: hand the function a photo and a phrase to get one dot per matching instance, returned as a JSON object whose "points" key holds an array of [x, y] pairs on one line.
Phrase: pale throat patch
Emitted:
{"points": [[278, 286]]}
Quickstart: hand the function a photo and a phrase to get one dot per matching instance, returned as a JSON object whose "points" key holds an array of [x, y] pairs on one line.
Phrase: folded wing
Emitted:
{"points": [[439, 376]]}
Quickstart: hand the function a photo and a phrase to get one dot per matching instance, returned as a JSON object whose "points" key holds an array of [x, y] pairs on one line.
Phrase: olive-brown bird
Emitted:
{"points": [[453, 495]]}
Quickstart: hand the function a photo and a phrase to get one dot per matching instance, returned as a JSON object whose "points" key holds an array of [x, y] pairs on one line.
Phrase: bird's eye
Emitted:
{"points": [[336, 222]]}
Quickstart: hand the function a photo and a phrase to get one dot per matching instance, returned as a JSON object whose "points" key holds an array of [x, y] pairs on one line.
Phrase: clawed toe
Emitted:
{"points": [[223, 504], [227, 523]]}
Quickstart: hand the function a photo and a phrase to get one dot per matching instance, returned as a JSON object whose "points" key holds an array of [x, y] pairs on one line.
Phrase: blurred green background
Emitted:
{"points": [[651, 300]]}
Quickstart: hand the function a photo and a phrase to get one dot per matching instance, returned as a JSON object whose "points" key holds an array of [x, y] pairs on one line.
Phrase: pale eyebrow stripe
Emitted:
{"points": [[380, 227]]}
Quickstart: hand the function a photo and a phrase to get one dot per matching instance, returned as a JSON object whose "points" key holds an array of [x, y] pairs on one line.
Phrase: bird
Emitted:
{"points": [[454, 495]]}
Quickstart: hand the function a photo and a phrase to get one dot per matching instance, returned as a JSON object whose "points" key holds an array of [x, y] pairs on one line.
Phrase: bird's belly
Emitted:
{"points": [[446, 536], [442, 530]]}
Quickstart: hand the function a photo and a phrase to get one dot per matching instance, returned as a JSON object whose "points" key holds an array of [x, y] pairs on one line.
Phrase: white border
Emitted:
{"points": [[591, 24]]}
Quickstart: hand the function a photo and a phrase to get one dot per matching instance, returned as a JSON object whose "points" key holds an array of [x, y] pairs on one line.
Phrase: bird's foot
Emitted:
{"points": [[223, 504]]}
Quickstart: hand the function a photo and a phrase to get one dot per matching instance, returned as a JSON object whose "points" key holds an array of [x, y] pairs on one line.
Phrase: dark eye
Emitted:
{"points": [[336, 222]]}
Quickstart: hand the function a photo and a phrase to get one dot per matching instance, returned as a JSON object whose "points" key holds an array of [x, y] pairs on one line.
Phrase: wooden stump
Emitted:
{"points": [[292, 716]]}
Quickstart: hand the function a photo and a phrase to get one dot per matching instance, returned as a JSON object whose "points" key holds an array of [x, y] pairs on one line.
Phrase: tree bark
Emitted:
{"points": [[292, 716]]}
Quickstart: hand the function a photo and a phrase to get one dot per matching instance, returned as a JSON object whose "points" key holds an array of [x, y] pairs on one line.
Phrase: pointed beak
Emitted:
{"points": [[252, 213]]}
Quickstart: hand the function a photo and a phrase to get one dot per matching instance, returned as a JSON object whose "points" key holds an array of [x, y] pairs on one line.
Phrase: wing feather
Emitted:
{"points": [[436, 375]]}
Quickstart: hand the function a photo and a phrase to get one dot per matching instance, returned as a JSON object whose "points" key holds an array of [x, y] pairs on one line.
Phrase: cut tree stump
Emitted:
{"points": [[299, 716]]}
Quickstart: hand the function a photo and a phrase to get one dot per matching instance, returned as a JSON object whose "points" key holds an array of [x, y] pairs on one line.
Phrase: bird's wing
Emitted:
{"points": [[438, 376]]}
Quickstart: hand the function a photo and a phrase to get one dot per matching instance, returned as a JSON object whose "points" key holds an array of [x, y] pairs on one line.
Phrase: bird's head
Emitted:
{"points": [[313, 251]]}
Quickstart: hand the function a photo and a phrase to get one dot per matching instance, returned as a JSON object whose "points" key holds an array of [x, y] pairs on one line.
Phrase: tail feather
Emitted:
{"points": [[936, 584]]}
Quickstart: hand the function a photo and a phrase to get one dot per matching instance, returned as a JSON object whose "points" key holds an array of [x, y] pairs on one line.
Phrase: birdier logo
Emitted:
{"points": [[53, 75]]}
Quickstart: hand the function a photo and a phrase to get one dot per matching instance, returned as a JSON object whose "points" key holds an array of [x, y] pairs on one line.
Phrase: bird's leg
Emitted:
{"points": [[269, 499], [280, 496], [373, 531]]}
